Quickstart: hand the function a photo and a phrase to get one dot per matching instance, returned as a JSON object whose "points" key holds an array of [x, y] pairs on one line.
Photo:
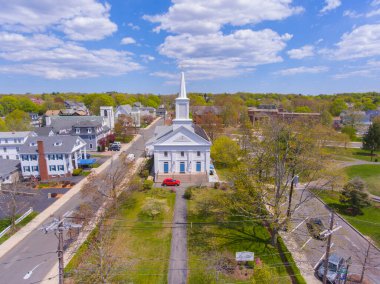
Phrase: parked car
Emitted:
{"points": [[171, 182], [116, 143], [316, 228], [114, 147], [212, 169], [334, 266]]}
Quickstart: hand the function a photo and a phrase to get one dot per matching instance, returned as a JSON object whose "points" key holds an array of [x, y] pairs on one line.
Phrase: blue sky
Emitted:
{"points": [[309, 47]]}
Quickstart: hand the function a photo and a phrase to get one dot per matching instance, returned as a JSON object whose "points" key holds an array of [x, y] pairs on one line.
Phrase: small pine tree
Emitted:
{"points": [[354, 195]]}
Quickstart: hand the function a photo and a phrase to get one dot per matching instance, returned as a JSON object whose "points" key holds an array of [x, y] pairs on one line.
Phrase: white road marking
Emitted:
{"points": [[323, 256], [27, 276], [299, 225], [351, 242], [306, 242]]}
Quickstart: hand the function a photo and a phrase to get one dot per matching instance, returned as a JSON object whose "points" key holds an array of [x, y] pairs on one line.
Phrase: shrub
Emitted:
{"points": [[148, 184], [187, 194], [216, 185], [77, 172], [144, 173], [154, 207]]}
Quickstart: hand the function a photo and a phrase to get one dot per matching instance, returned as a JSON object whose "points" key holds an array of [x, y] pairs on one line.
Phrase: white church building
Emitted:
{"points": [[181, 150]]}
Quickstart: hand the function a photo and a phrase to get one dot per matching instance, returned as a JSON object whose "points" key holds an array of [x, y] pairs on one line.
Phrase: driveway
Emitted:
{"points": [[178, 254]]}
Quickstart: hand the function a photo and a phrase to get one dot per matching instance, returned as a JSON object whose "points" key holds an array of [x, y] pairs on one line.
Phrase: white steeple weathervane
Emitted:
{"points": [[182, 106]]}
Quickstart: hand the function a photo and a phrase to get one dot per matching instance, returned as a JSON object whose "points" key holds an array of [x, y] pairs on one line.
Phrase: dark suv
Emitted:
{"points": [[334, 267], [316, 228]]}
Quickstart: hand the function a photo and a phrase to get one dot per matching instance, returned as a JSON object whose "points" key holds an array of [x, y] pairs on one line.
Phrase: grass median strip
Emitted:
{"points": [[4, 223]]}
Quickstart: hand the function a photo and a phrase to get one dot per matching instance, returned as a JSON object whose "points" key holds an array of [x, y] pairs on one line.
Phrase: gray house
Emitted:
{"points": [[91, 131]]}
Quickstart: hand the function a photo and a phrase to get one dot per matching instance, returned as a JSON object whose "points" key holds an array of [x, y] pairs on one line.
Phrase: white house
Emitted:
{"points": [[10, 143], [181, 150], [51, 156], [9, 171]]}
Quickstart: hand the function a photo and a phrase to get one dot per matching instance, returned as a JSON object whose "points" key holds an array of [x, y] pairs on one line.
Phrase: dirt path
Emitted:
{"points": [[178, 254]]}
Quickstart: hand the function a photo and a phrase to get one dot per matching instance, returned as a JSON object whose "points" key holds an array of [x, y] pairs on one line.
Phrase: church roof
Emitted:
{"points": [[201, 132]]}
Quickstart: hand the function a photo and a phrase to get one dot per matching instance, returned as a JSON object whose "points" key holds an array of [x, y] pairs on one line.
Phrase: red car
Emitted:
{"points": [[170, 181]]}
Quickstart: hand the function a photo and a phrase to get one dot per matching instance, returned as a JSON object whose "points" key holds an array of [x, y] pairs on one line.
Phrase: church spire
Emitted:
{"points": [[182, 93]]}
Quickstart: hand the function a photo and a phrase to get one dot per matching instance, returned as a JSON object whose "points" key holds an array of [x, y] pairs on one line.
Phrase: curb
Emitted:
{"points": [[52, 209]]}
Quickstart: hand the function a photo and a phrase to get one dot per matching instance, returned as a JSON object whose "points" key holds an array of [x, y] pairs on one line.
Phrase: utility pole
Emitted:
{"points": [[58, 226], [328, 248], [365, 262]]}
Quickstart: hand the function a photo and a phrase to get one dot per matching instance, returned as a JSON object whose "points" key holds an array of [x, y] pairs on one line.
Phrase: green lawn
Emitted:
{"points": [[222, 172], [6, 222], [140, 244], [341, 153], [369, 173], [212, 246], [368, 223]]}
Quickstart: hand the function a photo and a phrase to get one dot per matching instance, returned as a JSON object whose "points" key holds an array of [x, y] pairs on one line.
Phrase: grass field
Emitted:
{"points": [[140, 244], [340, 153], [368, 223], [369, 173], [212, 249], [6, 222]]}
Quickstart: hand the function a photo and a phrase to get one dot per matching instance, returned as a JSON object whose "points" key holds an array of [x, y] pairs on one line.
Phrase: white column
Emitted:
{"points": [[76, 159]]}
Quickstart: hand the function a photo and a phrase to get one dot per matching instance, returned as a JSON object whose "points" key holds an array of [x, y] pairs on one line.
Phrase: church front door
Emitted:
{"points": [[182, 167]]}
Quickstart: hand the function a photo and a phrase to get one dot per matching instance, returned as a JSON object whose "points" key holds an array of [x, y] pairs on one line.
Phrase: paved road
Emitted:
{"points": [[38, 251], [178, 254], [346, 241]]}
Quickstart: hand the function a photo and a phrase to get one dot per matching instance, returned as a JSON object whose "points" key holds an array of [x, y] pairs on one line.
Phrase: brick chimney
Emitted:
{"points": [[42, 165]]}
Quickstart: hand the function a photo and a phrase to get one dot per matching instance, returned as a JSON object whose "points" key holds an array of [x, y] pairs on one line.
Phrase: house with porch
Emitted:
{"points": [[181, 150], [51, 156]]}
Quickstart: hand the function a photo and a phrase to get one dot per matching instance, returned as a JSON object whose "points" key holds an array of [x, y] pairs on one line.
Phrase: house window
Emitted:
{"points": [[17, 157], [25, 157], [166, 167], [7, 157], [182, 154], [5, 150], [6, 140], [34, 168], [77, 130], [33, 157], [61, 168], [60, 157], [90, 145], [52, 168], [198, 167], [89, 130], [198, 153], [26, 169], [165, 154]]}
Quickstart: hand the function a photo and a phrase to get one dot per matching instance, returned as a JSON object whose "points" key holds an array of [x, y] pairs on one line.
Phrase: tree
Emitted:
{"points": [[225, 151], [371, 140], [337, 107], [3, 126], [350, 131], [123, 128], [326, 118], [18, 120], [147, 119], [302, 109], [354, 195], [211, 123], [9, 103]]}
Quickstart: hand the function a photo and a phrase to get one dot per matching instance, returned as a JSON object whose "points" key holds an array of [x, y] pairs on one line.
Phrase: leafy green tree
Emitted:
{"points": [[371, 140], [18, 120], [326, 118], [27, 105], [337, 107], [302, 109], [1, 110], [101, 100], [9, 103], [350, 131], [354, 195], [225, 151], [3, 127]]}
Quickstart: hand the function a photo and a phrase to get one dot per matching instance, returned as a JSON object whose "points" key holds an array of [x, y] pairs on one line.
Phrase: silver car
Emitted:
{"points": [[334, 266]]}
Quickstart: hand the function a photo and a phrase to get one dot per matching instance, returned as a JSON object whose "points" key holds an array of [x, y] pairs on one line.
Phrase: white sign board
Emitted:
{"points": [[245, 256]]}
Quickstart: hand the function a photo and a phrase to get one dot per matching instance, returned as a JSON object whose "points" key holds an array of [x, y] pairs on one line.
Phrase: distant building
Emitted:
{"points": [[199, 112], [44, 131], [35, 119], [182, 150], [76, 106], [161, 111], [135, 112], [264, 112], [9, 171], [51, 156], [10, 143], [107, 113]]}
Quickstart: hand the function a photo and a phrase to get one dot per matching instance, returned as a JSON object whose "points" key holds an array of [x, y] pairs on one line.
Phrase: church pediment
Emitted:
{"points": [[182, 138]]}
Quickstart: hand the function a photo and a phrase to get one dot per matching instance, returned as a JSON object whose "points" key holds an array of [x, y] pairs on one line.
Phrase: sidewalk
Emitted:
{"points": [[52, 209]]}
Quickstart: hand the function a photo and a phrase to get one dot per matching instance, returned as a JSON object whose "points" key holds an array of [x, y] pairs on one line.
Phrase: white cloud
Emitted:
{"points": [[203, 17], [354, 14], [375, 2], [133, 26], [330, 5], [147, 58], [357, 73], [77, 19], [302, 70], [128, 40], [218, 55], [361, 42], [373, 13], [56, 59], [370, 69], [299, 53]]}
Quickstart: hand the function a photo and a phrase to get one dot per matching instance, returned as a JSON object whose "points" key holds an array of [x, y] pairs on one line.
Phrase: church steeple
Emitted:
{"points": [[182, 106]]}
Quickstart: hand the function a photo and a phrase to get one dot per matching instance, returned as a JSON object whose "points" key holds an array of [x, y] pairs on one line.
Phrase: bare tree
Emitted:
{"points": [[13, 205]]}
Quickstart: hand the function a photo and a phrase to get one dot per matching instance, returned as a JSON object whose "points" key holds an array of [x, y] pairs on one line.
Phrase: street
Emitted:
{"points": [[33, 257]]}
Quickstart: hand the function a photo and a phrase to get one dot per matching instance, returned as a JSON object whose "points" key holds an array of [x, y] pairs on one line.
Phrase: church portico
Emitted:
{"points": [[182, 150]]}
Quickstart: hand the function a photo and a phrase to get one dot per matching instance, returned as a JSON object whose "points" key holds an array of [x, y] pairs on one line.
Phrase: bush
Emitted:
{"points": [[154, 207], [187, 194], [216, 185], [148, 184], [77, 172], [144, 173]]}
